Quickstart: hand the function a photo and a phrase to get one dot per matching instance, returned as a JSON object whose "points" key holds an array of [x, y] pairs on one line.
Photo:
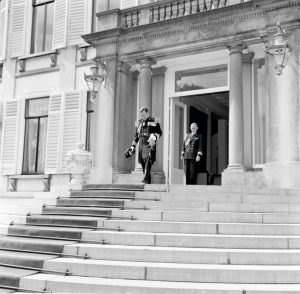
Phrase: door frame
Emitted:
{"points": [[171, 113]]}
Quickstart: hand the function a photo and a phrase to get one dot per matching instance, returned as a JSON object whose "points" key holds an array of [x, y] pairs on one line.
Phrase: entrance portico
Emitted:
{"points": [[139, 42]]}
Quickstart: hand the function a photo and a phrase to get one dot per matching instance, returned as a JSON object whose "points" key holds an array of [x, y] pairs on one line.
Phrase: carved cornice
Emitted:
{"points": [[268, 6]]}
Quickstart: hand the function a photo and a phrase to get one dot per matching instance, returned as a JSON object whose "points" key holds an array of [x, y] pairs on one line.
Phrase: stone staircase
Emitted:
{"points": [[132, 239]]}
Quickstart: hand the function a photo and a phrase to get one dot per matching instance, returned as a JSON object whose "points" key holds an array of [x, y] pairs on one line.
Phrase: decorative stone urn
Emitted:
{"points": [[79, 163]]}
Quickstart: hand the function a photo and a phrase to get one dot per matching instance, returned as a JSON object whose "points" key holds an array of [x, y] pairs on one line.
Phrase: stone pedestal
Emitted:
{"points": [[78, 162]]}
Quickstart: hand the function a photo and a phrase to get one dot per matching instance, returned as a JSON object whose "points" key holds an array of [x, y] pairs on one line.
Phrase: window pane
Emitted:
{"points": [[39, 21], [42, 27], [30, 145], [49, 26], [201, 78], [90, 104], [37, 107], [179, 135], [42, 144]]}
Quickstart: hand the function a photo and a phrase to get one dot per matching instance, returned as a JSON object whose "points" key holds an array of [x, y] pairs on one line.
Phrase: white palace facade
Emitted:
{"points": [[200, 61]]}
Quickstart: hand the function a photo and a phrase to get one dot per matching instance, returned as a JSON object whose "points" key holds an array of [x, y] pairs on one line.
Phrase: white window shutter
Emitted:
{"points": [[17, 28], [3, 27], [128, 3], [77, 22], [53, 134], [71, 124], [60, 24], [10, 133]]}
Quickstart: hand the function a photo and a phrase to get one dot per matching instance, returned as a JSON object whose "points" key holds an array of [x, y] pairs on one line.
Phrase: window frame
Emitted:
{"points": [[38, 136], [33, 26]]}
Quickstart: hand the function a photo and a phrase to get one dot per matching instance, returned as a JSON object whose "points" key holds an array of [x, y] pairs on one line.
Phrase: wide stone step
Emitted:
{"points": [[215, 197], [33, 244], [186, 255], [194, 240], [107, 194], [51, 232], [253, 207], [203, 228], [243, 190], [199, 216], [199, 273], [90, 202], [24, 259], [63, 220], [72, 284], [124, 187], [77, 211], [11, 276]]}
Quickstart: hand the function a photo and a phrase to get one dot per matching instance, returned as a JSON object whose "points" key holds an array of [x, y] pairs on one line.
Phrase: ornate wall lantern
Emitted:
{"points": [[279, 50], [97, 76]]}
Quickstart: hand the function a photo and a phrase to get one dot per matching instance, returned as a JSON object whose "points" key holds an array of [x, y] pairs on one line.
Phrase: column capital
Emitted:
{"points": [[236, 47], [159, 71], [135, 74], [146, 62], [247, 58], [123, 67]]}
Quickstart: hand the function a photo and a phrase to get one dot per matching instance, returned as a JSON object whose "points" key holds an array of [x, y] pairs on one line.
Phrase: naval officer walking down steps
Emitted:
{"points": [[147, 132]]}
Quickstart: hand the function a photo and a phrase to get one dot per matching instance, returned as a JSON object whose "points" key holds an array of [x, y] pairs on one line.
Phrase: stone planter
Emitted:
{"points": [[79, 163]]}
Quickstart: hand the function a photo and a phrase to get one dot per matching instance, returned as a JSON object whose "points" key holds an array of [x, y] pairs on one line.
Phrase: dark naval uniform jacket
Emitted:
{"points": [[192, 146], [143, 131]]}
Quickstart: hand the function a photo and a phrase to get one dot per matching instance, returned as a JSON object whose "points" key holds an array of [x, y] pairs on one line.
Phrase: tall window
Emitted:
{"points": [[42, 25], [36, 122], [89, 122]]}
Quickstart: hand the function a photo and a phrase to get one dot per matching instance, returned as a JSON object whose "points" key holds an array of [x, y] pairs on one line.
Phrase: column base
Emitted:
{"points": [[245, 178], [99, 176], [282, 174], [235, 167]]}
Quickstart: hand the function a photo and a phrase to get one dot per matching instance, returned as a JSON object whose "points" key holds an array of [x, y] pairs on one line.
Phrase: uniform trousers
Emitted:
{"points": [[146, 165], [190, 169]]}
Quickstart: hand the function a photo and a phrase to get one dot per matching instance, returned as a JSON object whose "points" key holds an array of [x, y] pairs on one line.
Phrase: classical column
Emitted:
{"points": [[247, 105], [101, 172], [158, 83], [122, 122], [144, 92], [208, 149], [145, 83], [236, 121], [283, 167]]}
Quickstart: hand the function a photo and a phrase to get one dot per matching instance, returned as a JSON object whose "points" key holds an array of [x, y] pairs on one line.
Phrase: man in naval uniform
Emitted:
{"points": [[191, 153], [147, 132]]}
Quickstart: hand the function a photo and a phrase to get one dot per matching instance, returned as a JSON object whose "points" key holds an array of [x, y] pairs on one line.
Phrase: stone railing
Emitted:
{"points": [[164, 10]]}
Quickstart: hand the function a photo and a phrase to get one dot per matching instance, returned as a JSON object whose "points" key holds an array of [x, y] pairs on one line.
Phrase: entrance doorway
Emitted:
{"points": [[210, 112]]}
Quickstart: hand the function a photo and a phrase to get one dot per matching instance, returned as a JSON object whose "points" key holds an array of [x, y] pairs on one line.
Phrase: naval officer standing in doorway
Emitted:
{"points": [[191, 153], [147, 132]]}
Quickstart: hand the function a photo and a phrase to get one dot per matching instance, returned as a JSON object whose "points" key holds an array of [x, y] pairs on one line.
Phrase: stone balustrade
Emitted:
{"points": [[164, 10]]}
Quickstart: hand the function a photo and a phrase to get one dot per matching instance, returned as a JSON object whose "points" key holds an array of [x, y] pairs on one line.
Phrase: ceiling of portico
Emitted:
{"points": [[217, 103]]}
